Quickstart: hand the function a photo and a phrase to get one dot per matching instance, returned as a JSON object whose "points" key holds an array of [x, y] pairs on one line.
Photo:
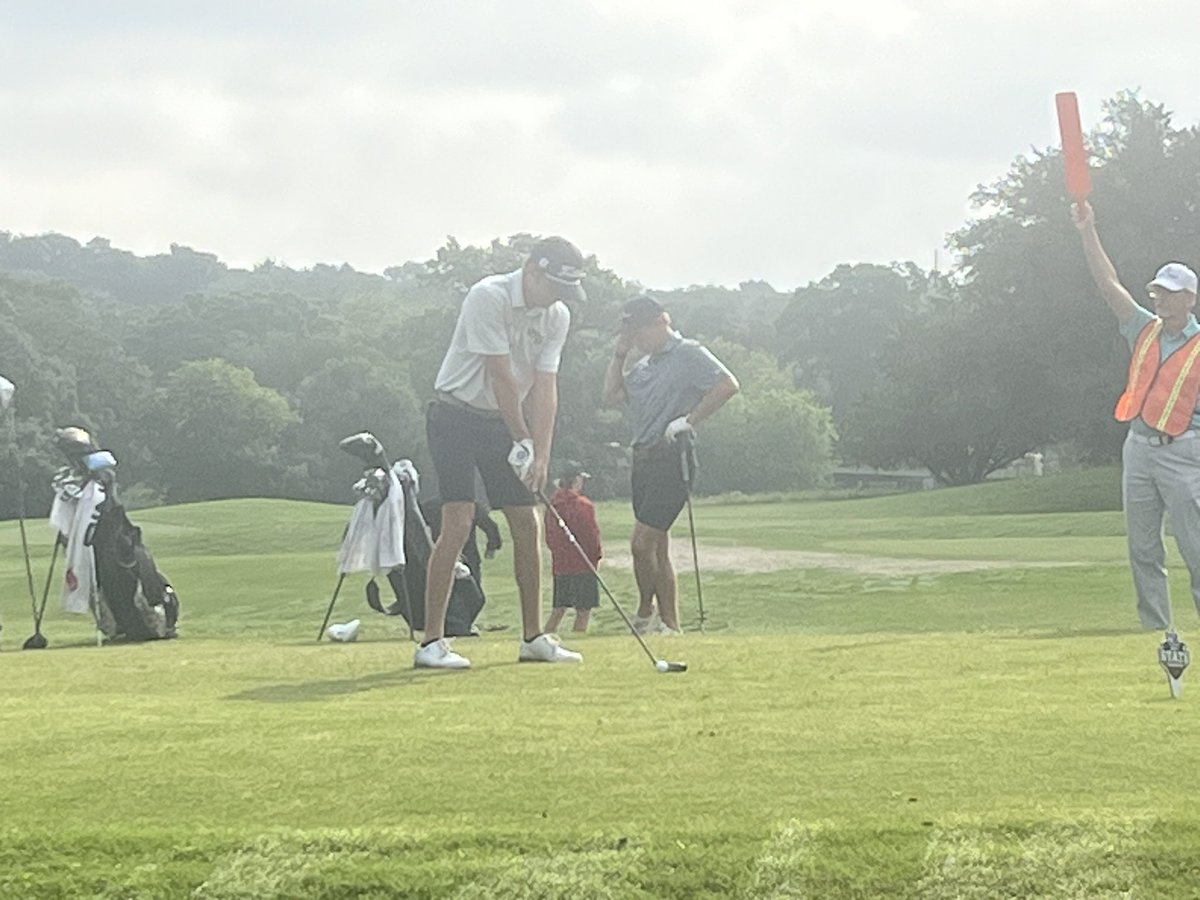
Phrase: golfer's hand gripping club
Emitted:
{"points": [[520, 457]]}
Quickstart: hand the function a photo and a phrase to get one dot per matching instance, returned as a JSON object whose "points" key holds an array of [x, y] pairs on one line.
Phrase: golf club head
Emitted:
{"points": [[99, 461], [35, 642], [664, 665], [74, 442], [364, 446]]}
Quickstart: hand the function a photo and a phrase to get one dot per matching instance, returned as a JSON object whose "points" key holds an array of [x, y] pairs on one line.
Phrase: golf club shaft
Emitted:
{"points": [[16, 462], [600, 581], [41, 610], [28, 565], [329, 610], [688, 462], [695, 559]]}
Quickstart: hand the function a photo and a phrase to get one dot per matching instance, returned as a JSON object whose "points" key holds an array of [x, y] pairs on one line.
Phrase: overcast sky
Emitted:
{"points": [[680, 141]]}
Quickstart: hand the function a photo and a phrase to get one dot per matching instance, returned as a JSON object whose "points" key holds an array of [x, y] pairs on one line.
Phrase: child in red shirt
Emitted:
{"points": [[574, 584]]}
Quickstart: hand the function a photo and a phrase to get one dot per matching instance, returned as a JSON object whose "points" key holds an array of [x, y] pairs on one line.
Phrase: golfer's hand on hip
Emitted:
{"points": [[677, 427]]}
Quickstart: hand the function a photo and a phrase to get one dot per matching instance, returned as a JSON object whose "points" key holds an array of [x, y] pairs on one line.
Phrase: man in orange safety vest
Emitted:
{"points": [[1161, 456]]}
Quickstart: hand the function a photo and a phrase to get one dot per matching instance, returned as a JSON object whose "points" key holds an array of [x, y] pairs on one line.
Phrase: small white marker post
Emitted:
{"points": [[1174, 657]]}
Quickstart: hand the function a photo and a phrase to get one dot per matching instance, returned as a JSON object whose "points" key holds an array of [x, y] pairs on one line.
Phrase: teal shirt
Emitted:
{"points": [[1132, 328]]}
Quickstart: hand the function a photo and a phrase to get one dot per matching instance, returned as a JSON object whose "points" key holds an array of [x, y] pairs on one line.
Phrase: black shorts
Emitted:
{"points": [[463, 443], [657, 486], [576, 591]]}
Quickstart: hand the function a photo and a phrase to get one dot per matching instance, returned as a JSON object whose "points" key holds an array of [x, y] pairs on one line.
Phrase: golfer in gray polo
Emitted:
{"points": [[671, 384]]}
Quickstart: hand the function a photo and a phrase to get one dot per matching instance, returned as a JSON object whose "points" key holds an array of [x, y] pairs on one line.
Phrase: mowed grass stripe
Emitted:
{"points": [[839, 733]]}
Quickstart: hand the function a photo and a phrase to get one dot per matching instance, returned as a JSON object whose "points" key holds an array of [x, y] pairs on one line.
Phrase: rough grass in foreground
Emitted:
{"points": [[987, 734]]}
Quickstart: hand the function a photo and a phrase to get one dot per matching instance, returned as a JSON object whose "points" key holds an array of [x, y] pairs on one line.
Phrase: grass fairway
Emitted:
{"points": [[842, 732]]}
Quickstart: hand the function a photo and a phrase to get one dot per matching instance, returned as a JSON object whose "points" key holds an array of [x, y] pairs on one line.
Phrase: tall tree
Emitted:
{"points": [[223, 433], [834, 331], [1023, 353]]}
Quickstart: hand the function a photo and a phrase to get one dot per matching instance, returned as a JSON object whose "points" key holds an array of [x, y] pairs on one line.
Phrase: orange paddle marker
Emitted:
{"points": [[1079, 178]]}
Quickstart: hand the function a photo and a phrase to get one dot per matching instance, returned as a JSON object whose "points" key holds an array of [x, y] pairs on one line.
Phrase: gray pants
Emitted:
{"points": [[1158, 480]]}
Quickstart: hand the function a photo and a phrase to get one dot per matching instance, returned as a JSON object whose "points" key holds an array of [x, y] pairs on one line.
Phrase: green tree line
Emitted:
{"points": [[236, 383], [208, 381]]}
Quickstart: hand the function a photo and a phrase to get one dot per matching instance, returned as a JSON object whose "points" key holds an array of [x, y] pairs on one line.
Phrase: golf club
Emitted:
{"points": [[660, 665], [37, 640], [688, 461], [329, 610], [7, 390]]}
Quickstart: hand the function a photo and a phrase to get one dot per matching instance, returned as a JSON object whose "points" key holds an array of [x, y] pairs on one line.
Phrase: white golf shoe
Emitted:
{"points": [[438, 655], [546, 648], [344, 632], [641, 624]]}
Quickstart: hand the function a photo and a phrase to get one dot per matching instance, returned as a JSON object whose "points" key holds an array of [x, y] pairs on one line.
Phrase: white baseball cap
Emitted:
{"points": [[1174, 277]]}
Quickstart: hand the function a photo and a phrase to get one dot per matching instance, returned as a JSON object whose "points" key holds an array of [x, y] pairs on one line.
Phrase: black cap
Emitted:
{"points": [[571, 471], [640, 311], [562, 264]]}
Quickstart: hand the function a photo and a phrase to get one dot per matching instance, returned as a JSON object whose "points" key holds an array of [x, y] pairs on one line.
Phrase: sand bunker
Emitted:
{"points": [[753, 559]]}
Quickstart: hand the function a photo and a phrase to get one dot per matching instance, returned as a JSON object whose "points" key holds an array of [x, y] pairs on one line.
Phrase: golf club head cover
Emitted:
{"points": [[100, 460], [74, 442], [364, 446]]}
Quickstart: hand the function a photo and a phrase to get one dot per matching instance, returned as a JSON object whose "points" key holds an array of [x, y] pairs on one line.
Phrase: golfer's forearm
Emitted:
{"points": [[717, 396], [543, 409], [614, 380], [507, 399], [1104, 273]]}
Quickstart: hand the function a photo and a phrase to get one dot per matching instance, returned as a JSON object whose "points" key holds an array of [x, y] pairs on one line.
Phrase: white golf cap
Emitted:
{"points": [[1174, 277]]}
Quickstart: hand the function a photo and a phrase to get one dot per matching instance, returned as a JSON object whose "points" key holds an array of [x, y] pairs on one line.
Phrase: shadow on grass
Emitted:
{"points": [[322, 690], [855, 646], [1061, 633]]}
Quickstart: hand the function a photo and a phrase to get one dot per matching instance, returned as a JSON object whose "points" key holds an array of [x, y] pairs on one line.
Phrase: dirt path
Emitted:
{"points": [[753, 559]]}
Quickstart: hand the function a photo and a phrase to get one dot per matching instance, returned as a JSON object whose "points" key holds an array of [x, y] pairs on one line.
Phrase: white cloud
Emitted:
{"points": [[682, 142]]}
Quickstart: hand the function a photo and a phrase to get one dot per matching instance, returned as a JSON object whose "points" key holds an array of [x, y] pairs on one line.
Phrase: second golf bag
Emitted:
{"points": [[466, 597], [109, 571], [370, 542]]}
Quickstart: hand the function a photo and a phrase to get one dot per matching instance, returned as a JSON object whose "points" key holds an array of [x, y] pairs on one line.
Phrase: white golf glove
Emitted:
{"points": [[520, 457], [677, 427]]}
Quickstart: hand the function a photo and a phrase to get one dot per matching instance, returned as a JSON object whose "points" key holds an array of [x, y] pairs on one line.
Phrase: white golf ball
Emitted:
{"points": [[661, 665]]}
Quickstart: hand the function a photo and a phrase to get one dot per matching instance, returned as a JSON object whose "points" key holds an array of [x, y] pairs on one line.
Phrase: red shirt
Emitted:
{"points": [[580, 515]]}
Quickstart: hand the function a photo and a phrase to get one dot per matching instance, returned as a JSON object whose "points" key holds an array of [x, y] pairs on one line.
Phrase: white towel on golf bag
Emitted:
{"points": [[411, 479], [374, 540], [72, 515]]}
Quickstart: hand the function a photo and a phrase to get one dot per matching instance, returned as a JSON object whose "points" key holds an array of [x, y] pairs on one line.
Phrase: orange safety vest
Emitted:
{"points": [[1162, 391]]}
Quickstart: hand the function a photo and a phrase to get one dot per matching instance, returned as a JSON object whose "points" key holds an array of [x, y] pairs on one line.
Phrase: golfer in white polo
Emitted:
{"points": [[493, 415]]}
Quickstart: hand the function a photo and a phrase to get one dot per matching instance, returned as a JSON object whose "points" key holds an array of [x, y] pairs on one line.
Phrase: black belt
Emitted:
{"points": [[660, 450], [453, 402]]}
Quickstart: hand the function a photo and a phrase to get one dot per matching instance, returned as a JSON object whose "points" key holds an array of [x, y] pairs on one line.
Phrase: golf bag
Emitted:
{"points": [[109, 571], [387, 534], [408, 581]]}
